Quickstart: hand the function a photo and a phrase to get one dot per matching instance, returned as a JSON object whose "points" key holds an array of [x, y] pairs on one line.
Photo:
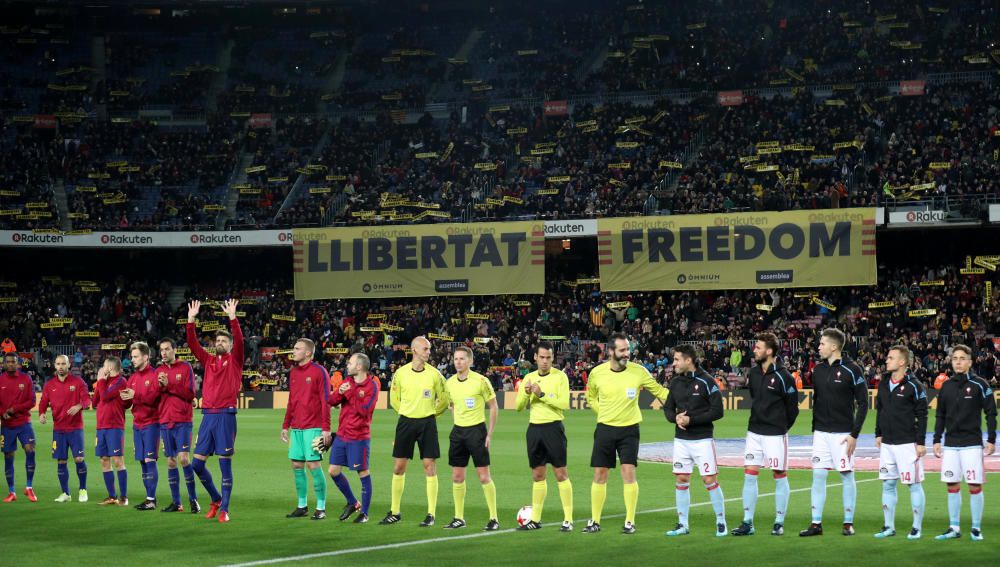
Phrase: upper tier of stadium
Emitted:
{"points": [[260, 116]]}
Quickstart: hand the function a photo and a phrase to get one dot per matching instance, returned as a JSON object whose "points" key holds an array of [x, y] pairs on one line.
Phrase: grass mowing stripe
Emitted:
{"points": [[475, 535]]}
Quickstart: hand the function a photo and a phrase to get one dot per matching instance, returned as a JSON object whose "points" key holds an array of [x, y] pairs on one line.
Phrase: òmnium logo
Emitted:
{"points": [[698, 278], [381, 287]]}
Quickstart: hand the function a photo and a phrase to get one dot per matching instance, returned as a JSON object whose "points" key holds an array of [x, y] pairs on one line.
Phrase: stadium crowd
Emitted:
{"points": [[684, 154], [502, 330]]}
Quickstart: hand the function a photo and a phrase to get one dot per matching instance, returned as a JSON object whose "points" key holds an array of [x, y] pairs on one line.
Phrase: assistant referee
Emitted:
{"points": [[613, 392], [418, 395], [546, 391]]}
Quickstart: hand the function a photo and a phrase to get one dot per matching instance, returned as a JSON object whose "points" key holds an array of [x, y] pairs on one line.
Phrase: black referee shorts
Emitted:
{"points": [[610, 440], [468, 442], [422, 431], [546, 444]]}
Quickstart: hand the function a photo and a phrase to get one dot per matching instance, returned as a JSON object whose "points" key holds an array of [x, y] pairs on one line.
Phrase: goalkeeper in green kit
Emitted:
{"points": [[308, 416]]}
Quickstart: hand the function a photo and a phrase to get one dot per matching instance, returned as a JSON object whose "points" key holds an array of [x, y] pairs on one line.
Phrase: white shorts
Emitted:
{"points": [[770, 451], [830, 452], [699, 454], [965, 463], [900, 462]]}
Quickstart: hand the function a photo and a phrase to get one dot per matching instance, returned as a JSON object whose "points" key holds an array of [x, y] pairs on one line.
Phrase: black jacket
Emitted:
{"points": [[840, 397], [774, 400], [963, 400], [699, 396], [901, 416]]}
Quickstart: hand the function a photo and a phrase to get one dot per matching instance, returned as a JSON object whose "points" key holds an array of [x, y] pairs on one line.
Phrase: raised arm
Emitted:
{"points": [[192, 336], [229, 307]]}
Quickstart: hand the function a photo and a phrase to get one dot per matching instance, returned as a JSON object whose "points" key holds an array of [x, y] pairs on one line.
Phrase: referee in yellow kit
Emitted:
{"points": [[469, 393], [546, 391], [613, 392], [417, 393]]}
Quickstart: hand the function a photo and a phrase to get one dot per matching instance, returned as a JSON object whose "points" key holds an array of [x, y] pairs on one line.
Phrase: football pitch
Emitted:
{"points": [[46, 532]]}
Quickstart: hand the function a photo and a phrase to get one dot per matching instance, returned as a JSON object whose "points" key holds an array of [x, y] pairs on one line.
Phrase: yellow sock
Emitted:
{"points": [[631, 499], [566, 496], [432, 495], [598, 493], [490, 491], [458, 491], [538, 492], [398, 483]]}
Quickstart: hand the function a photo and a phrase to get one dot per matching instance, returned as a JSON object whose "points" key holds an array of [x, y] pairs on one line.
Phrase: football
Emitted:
{"points": [[524, 515]]}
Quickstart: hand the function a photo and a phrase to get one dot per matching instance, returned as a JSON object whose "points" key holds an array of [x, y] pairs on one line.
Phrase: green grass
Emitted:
{"points": [[46, 532]]}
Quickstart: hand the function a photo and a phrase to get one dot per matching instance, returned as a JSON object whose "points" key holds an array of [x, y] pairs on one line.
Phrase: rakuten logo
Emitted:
{"points": [[125, 239], [29, 238], [212, 238], [284, 237], [924, 216]]}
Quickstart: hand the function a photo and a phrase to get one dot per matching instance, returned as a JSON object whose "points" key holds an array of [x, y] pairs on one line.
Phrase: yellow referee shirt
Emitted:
{"points": [[548, 408], [615, 395], [418, 394], [469, 398]]}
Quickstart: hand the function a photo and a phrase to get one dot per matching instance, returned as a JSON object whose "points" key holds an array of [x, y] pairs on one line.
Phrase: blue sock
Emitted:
{"points": [[345, 488], [781, 493], [366, 493], [62, 470], [8, 470], [977, 501], [81, 474], [145, 475], [954, 507], [29, 467], [918, 502], [123, 483], [749, 497], [174, 480], [109, 483], [226, 470], [189, 481], [205, 477], [818, 494], [889, 499], [718, 502], [850, 495], [683, 496], [154, 479]]}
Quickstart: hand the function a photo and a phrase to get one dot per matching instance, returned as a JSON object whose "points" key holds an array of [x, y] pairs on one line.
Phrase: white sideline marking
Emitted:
{"points": [[473, 535]]}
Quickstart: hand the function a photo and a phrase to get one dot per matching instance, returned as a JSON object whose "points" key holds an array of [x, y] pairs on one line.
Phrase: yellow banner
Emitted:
{"points": [[116, 346], [881, 304], [822, 303], [737, 251], [277, 317], [922, 312], [419, 260], [447, 338]]}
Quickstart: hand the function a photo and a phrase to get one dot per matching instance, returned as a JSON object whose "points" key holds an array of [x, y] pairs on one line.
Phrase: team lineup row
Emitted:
{"points": [[160, 400]]}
